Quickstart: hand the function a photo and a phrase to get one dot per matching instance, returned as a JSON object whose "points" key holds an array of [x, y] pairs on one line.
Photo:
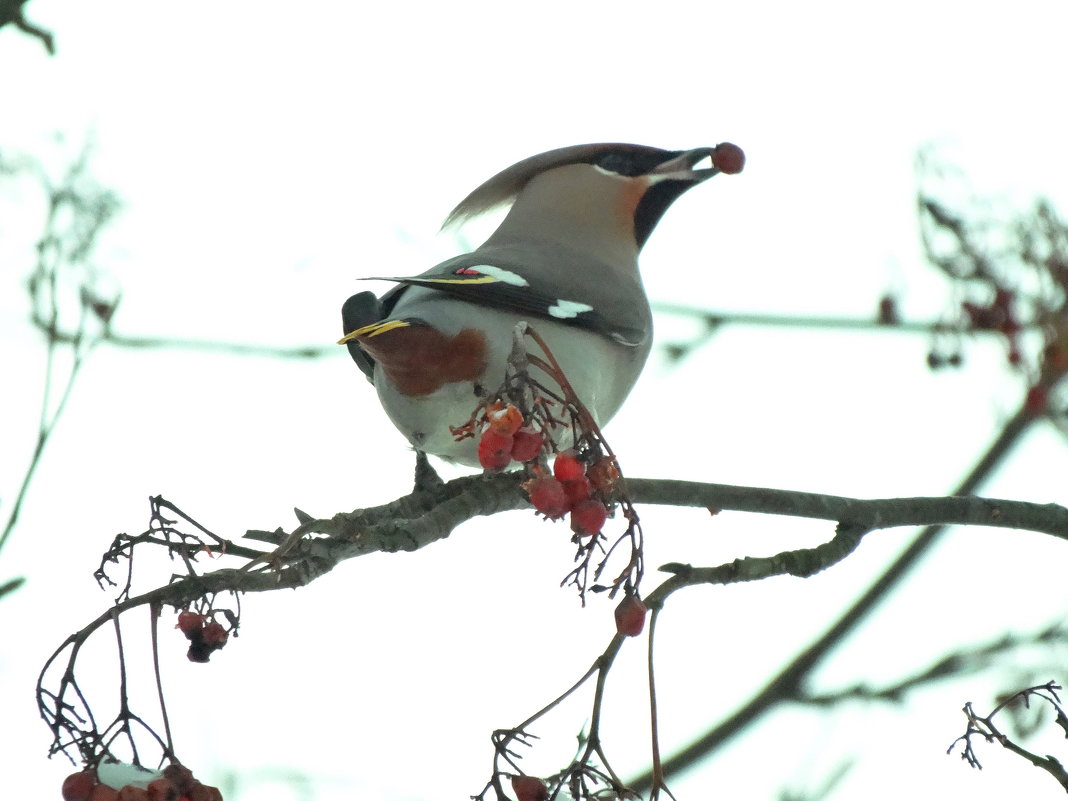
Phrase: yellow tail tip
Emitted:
{"points": [[373, 330]]}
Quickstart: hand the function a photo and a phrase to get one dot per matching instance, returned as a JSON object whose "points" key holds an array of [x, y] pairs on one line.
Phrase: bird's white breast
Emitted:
{"points": [[601, 372]]}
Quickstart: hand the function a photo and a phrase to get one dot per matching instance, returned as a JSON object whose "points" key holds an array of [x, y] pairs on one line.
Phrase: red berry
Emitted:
{"points": [[215, 635], [529, 788], [630, 616], [204, 792], [180, 776], [190, 622], [131, 793], [567, 467], [548, 497], [505, 420], [526, 444], [578, 490], [588, 517], [604, 474], [104, 793], [162, 790], [728, 158], [494, 450], [77, 786], [199, 651]]}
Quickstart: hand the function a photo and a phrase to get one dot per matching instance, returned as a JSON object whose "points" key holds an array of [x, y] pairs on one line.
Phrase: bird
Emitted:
{"points": [[564, 259]]}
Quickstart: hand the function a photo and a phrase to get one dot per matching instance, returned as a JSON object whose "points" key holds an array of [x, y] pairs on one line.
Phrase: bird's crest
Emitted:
{"points": [[503, 187]]}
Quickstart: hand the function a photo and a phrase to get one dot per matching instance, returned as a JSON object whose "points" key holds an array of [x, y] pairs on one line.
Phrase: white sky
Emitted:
{"points": [[270, 154]]}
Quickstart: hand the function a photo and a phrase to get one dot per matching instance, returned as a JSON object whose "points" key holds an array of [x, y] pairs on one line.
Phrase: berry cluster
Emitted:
{"points": [[175, 783], [505, 439], [528, 422], [205, 636], [574, 489]]}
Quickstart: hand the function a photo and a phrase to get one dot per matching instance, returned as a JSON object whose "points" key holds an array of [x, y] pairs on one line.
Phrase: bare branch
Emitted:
{"points": [[78, 209], [964, 661], [11, 11], [984, 727], [111, 337], [788, 684]]}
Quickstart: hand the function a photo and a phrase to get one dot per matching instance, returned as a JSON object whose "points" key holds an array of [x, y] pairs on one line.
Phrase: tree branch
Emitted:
{"points": [[11, 11], [788, 684], [426, 516]]}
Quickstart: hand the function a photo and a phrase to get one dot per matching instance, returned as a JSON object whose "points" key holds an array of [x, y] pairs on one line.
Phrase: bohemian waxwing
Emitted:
{"points": [[565, 259]]}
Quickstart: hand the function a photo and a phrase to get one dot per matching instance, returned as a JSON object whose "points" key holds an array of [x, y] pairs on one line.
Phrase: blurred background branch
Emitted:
{"points": [[62, 287], [12, 13], [1011, 278]]}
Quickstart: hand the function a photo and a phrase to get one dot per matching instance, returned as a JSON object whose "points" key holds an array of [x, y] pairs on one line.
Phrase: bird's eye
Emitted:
{"points": [[620, 163], [632, 163]]}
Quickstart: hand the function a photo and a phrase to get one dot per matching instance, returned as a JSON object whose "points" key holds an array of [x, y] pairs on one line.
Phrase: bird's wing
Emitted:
{"points": [[503, 284]]}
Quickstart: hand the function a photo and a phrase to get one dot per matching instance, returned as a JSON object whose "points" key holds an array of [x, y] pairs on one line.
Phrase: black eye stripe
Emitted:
{"points": [[633, 163]]}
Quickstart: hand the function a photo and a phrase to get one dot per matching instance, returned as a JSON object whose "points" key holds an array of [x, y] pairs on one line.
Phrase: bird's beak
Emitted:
{"points": [[683, 167]]}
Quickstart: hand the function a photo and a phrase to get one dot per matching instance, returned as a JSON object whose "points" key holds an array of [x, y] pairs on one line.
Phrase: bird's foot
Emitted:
{"points": [[426, 477]]}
